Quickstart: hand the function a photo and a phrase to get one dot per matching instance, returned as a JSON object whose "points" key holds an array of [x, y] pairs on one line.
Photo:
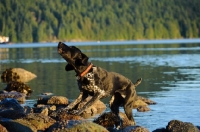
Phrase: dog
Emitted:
{"points": [[97, 82]]}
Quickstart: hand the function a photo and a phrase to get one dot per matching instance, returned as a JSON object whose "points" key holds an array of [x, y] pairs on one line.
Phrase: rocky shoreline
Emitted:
{"points": [[49, 114]]}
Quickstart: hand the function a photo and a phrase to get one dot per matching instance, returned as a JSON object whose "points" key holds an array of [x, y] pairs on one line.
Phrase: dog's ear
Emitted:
{"points": [[82, 60], [69, 67]]}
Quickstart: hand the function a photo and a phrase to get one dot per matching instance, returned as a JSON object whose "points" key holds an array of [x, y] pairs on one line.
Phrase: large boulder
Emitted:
{"points": [[17, 74]]}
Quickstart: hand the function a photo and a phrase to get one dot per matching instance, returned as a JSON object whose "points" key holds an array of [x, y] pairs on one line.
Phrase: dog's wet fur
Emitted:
{"points": [[98, 83]]}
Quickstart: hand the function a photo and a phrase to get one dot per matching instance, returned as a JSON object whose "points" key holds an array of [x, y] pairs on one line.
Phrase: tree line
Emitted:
{"points": [[67, 20]]}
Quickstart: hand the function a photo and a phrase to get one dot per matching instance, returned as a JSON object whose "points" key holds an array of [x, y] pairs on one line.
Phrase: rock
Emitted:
{"points": [[78, 127], [3, 129], [130, 129], [10, 104], [58, 100], [96, 108], [44, 109], [109, 120], [18, 125], [12, 114], [146, 100], [46, 94], [40, 121], [179, 126], [143, 109], [43, 100], [19, 87], [17, 74], [160, 130], [62, 115], [10, 108], [87, 127], [62, 125], [27, 109], [139, 103], [13, 94]]}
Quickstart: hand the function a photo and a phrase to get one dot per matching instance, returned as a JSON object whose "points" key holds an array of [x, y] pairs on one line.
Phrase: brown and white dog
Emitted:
{"points": [[96, 82]]}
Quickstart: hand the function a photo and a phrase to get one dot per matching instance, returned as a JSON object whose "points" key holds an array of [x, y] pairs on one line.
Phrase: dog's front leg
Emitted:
{"points": [[96, 97], [75, 102]]}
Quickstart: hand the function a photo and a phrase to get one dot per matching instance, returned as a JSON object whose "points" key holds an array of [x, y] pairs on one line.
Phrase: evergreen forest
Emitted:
{"points": [[98, 20]]}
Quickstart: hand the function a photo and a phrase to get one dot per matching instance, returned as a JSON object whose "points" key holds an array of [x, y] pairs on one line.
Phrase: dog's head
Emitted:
{"points": [[73, 56]]}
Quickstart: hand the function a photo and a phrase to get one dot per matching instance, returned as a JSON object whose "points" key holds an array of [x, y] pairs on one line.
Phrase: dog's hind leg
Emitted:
{"points": [[115, 103], [128, 103]]}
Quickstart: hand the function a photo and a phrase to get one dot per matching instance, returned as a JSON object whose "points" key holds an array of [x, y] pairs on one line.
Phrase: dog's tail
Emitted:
{"points": [[138, 82]]}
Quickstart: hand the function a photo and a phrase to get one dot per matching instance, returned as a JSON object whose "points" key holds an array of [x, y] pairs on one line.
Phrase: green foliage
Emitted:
{"points": [[64, 20]]}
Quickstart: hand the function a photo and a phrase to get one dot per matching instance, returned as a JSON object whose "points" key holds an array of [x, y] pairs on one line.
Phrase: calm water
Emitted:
{"points": [[170, 72]]}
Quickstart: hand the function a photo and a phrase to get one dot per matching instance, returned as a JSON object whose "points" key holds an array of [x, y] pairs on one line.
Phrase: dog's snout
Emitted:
{"points": [[60, 44], [60, 47]]}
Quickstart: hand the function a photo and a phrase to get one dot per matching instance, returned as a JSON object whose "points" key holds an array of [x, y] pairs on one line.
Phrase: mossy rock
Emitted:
{"points": [[86, 127], [179, 126], [19, 87], [40, 121]]}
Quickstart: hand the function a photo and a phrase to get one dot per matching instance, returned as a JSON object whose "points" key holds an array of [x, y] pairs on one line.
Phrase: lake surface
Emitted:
{"points": [[170, 72]]}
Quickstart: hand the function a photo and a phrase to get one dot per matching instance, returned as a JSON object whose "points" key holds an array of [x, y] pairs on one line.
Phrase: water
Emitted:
{"points": [[170, 71]]}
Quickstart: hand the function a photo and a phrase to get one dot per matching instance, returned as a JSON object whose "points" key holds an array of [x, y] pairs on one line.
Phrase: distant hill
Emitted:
{"points": [[79, 20]]}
